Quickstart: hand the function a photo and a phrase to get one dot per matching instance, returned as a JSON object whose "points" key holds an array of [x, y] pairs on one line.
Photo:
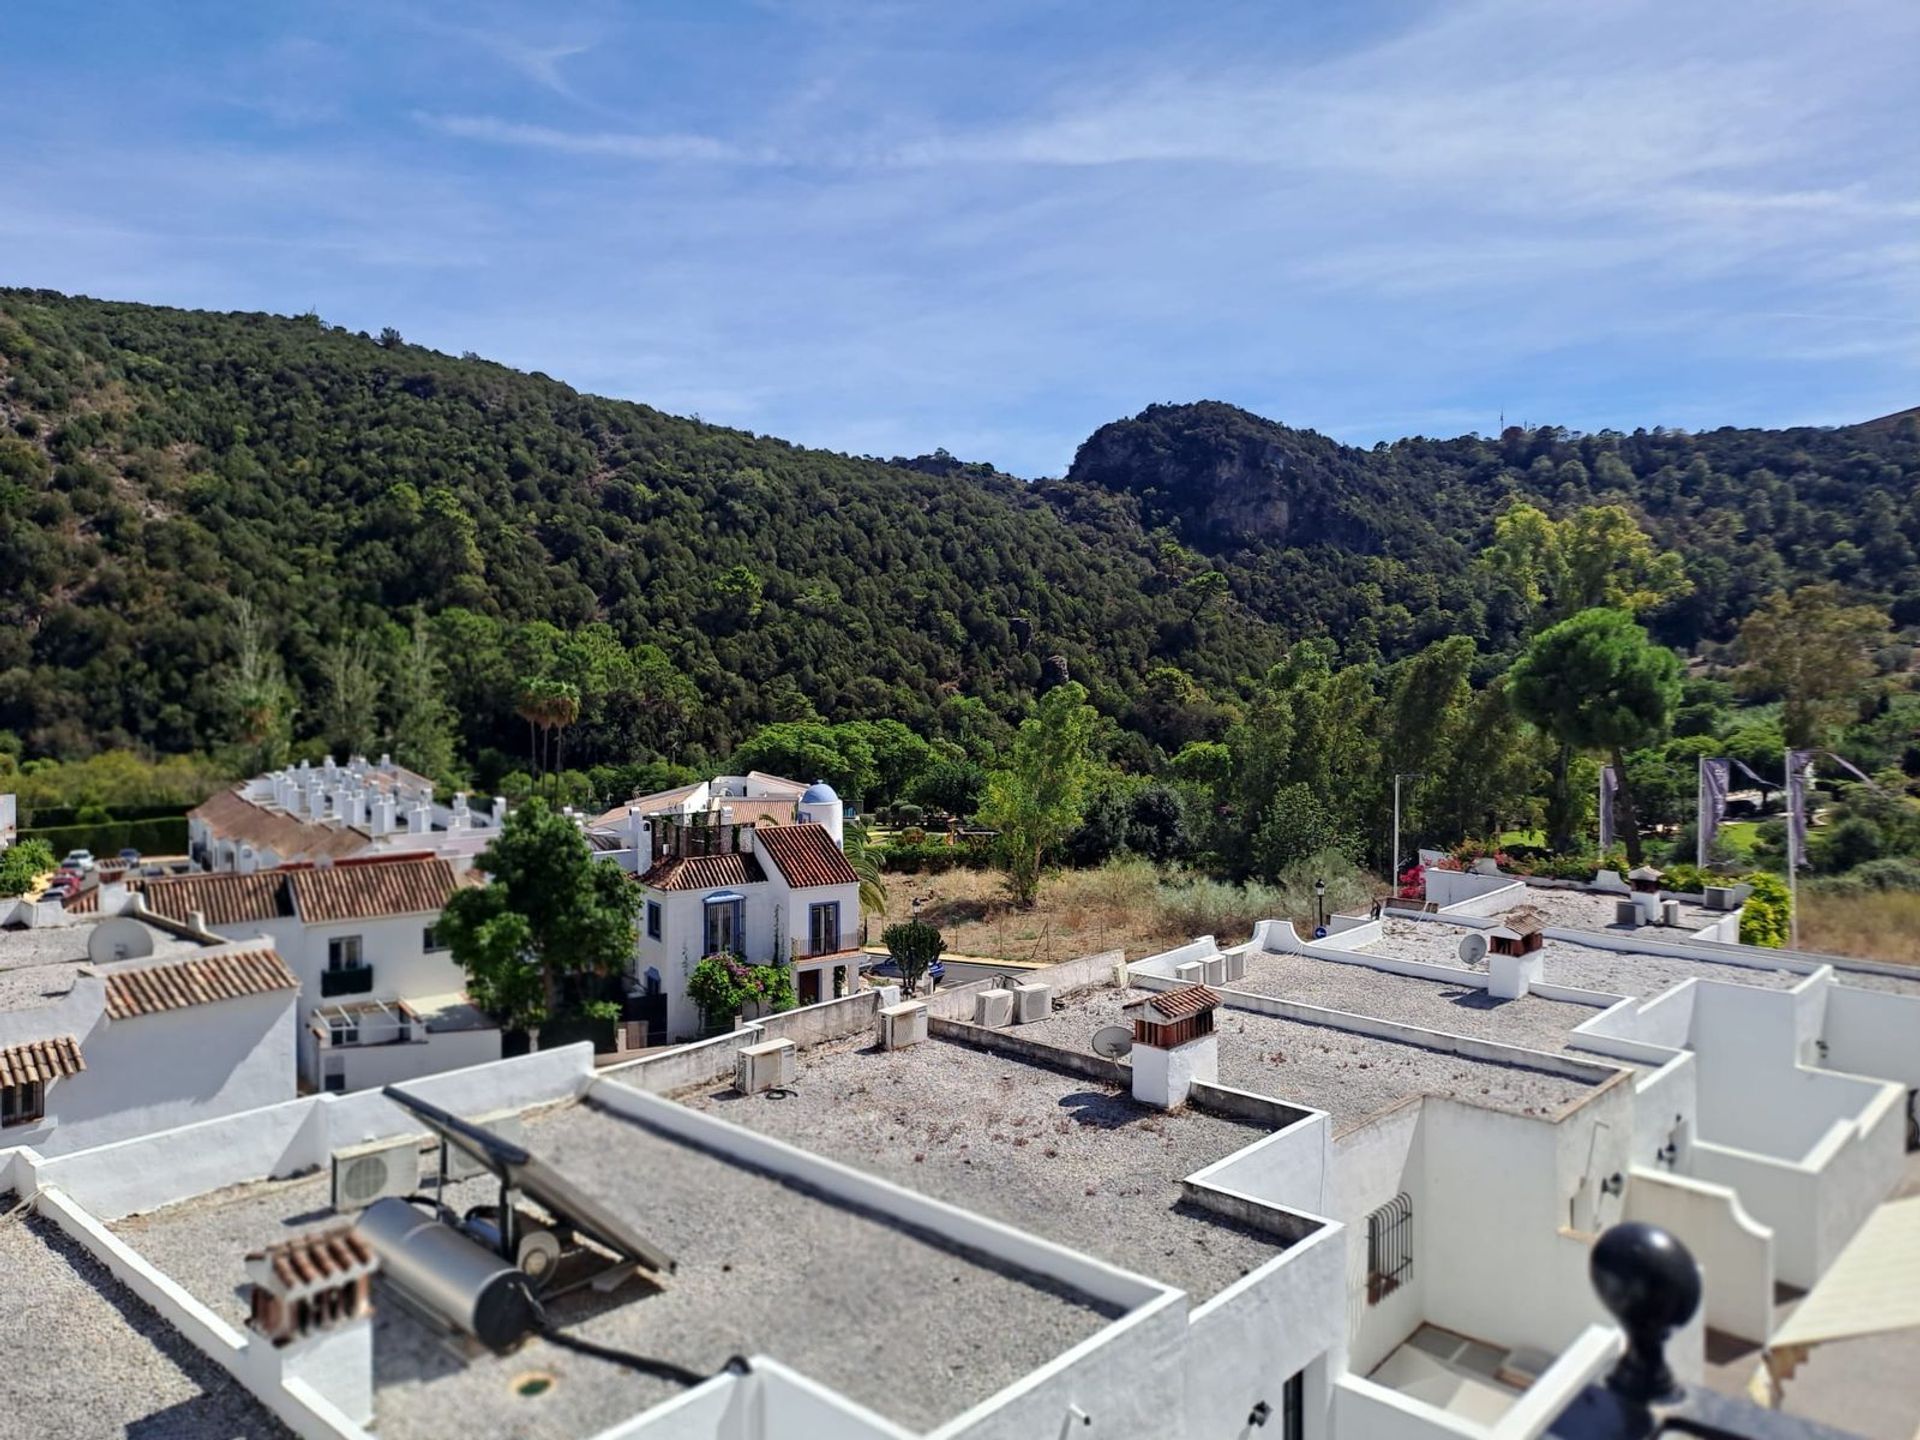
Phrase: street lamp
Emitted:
{"points": [[1320, 905]]}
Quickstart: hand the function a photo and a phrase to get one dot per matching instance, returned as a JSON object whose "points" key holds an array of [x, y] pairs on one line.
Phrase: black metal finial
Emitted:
{"points": [[1649, 1282]]}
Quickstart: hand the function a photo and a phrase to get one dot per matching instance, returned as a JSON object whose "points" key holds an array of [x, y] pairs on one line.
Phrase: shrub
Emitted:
{"points": [[913, 945], [720, 984], [21, 862], [1766, 917]]}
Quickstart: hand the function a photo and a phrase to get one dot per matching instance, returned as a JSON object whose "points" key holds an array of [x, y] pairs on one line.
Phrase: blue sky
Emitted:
{"points": [[882, 226]]}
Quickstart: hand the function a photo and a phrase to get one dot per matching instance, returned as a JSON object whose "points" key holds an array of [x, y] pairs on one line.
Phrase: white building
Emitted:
{"points": [[381, 998], [748, 865], [310, 814], [1355, 1226], [119, 1026]]}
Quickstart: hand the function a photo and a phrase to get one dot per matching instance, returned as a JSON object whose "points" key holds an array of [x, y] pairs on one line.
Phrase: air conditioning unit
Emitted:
{"points": [[1214, 969], [1720, 897], [1236, 961], [993, 1008], [903, 1024], [1032, 1001], [1190, 972], [1670, 913], [507, 1124], [1627, 913], [363, 1174], [764, 1066]]}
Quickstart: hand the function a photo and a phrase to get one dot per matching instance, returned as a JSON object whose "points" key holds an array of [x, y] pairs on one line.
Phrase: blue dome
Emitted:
{"points": [[819, 793]]}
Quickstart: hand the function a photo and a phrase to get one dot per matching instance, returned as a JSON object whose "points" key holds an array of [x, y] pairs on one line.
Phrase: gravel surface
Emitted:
{"points": [[763, 1268], [1531, 1021], [1054, 1153], [1866, 980], [1350, 1076], [85, 1357], [1616, 972], [1590, 910]]}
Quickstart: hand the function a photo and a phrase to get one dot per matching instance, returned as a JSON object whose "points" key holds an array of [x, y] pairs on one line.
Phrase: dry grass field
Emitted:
{"points": [[1881, 926], [1123, 905]]}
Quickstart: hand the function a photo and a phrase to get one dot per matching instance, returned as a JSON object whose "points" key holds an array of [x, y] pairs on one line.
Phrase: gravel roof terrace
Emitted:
{"points": [[762, 1268], [1051, 1152], [86, 1356], [1349, 1075]]}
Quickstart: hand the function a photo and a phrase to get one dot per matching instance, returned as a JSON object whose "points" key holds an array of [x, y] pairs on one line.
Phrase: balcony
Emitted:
{"points": [[347, 980], [815, 946]]}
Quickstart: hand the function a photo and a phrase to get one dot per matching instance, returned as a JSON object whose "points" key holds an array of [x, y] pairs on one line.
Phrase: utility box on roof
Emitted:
{"points": [[764, 1066], [993, 1008], [1032, 1002], [903, 1024], [1213, 970], [1190, 972]]}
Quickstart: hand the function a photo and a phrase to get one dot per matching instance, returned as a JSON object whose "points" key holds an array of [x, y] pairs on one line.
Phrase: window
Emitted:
{"points": [[823, 929], [653, 920], [430, 940], [1389, 1247], [724, 927], [345, 1031], [22, 1104], [1293, 1407], [343, 952]]}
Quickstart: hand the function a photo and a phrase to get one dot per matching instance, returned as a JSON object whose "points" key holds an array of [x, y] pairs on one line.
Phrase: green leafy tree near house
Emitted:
{"points": [[1767, 917], [21, 863], [913, 945], [1595, 682], [1038, 798], [548, 914], [1811, 649]]}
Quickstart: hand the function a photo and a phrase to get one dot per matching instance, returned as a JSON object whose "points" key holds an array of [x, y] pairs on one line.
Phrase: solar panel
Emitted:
{"points": [[516, 1166]]}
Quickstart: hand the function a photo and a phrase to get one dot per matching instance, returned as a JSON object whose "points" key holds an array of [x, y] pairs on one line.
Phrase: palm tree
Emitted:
{"points": [[866, 865]]}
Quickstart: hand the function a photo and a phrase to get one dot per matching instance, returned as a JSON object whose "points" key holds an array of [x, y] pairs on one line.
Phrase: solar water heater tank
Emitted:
{"points": [[450, 1276]]}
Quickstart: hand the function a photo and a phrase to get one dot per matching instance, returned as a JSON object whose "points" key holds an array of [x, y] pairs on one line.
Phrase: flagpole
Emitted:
{"points": [[1793, 856]]}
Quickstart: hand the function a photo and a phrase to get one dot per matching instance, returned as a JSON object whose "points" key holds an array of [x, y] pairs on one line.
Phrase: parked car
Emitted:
{"points": [[129, 857], [78, 861], [65, 885], [889, 969]]}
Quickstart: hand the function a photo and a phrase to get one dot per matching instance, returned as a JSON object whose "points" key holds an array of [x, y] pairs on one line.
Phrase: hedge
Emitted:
{"points": [[56, 817], [932, 857], [167, 836]]}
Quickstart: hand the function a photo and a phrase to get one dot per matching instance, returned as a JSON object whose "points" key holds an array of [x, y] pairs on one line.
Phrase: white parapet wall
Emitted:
{"points": [[1734, 1251]]}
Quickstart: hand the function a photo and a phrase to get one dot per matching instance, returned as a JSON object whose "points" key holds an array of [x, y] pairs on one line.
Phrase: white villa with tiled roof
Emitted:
{"points": [[381, 998], [310, 814], [112, 1027], [750, 865]]}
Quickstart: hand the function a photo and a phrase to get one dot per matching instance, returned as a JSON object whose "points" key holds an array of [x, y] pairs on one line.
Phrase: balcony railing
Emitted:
{"points": [[846, 940], [346, 980]]}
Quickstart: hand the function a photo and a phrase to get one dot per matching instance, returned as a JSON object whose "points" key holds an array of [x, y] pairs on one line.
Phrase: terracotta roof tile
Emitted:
{"points": [[222, 899], [325, 1257], [200, 980], [704, 872], [357, 892], [1178, 1004], [805, 855], [232, 816], [40, 1060]]}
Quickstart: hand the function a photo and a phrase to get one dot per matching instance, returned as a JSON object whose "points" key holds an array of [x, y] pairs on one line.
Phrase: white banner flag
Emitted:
{"points": [[1606, 808]]}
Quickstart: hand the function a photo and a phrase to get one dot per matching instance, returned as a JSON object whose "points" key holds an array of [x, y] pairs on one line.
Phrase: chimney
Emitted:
{"points": [[1174, 1045], [499, 811], [311, 1317], [459, 822], [197, 921], [637, 837], [386, 763], [422, 822]]}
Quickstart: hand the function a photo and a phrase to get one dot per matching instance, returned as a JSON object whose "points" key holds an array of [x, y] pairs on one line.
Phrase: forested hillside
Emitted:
{"points": [[206, 518]]}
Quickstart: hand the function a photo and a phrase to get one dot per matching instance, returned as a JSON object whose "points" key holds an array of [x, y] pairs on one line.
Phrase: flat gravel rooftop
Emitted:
{"points": [[1532, 1022], [1594, 910], [1349, 1075], [1617, 972], [1587, 967], [764, 1268], [84, 1356], [1063, 1156]]}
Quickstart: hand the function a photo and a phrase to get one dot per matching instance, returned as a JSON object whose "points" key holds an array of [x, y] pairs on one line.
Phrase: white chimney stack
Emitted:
{"points": [[499, 810]]}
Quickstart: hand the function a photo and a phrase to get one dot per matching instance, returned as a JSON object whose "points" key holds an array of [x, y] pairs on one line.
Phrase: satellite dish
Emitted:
{"points": [[1473, 948], [1113, 1041]]}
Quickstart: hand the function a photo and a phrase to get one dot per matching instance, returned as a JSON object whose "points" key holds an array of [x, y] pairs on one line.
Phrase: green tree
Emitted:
{"points": [[1595, 682], [255, 690], [806, 751], [349, 709], [23, 862], [1035, 801], [1767, 917], [866, 865], [1814, 651], [913, 945], [550, 913], [1598, 556], [422, 726]]}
